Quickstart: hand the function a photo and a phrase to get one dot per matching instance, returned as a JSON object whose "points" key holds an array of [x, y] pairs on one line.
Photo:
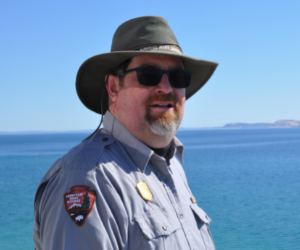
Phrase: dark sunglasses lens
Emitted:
{"points": [[180, 78], [149, 76]]}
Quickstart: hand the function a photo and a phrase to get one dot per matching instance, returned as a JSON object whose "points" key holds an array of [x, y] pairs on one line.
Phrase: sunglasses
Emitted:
{"points": [[151, 76]]}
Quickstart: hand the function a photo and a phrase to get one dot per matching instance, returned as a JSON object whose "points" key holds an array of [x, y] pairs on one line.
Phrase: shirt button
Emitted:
{"points": [[180, 215], [105, 139], [165, 227]]}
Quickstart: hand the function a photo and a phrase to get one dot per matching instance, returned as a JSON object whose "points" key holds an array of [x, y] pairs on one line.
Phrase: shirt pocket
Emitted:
{"points": [[157, 229], [203, 222]]}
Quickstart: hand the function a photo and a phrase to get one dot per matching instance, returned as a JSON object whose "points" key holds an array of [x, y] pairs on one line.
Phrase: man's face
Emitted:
{"points": [[151, 113]]}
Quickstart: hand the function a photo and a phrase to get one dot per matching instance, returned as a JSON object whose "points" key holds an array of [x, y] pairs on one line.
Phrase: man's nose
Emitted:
{"points": [[164, 85]]}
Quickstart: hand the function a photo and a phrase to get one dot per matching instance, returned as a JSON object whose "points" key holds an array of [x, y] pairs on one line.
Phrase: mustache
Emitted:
{"points": [[162, 98]]}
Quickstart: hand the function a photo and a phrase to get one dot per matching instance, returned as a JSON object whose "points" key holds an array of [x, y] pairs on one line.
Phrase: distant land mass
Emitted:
{"points": [[277, 124]]}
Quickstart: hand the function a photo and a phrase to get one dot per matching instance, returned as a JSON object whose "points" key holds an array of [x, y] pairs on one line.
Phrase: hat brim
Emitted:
{"points": [[90, 82]]}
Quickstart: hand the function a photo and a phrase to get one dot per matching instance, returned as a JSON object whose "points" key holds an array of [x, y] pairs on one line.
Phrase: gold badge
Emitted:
{"points": [[144, 191], [193, 199]]}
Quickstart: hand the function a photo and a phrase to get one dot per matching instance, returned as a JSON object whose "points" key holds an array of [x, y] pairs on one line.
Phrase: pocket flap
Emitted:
{"points": [[154, 224], [200, 214]]}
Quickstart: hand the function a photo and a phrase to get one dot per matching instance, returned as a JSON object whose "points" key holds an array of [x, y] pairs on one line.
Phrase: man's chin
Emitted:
{"points": [[163, 126], [163, 130], [163, 123]]}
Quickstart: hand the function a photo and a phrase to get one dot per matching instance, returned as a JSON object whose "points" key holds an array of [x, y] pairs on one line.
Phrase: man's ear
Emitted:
{"points": [[112, 87]]}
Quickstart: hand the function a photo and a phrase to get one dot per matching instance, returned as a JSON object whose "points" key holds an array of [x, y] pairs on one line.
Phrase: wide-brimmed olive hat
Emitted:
{"points": [[142, 35]]}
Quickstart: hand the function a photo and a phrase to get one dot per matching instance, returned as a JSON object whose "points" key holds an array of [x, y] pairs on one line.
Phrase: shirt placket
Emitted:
{"points": [[169, 186]]}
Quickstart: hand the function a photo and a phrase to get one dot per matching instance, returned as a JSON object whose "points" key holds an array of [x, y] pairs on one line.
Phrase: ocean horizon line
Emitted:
{"points": [[81, 131], [36, 132]]}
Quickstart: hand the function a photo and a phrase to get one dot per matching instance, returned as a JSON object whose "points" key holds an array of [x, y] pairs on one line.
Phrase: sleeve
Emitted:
{"points": [[78, 209]]}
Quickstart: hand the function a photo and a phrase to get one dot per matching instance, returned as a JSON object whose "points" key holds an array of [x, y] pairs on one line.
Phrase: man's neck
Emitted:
{"points": [[163, 152]]}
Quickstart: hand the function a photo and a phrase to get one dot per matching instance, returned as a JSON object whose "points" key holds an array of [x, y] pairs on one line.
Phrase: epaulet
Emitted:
{"points": [[83, 156], [87, 153]]}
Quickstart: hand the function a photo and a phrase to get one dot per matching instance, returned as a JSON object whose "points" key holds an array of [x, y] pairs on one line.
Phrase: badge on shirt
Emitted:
{"points": [[79, 203], [193, 199], [144, 191]]}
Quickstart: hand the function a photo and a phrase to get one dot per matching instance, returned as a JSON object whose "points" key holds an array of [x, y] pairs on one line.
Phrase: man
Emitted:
{"points": [[123, 188]]}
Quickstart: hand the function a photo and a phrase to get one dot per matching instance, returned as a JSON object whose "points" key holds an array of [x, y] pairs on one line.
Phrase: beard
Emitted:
{"points": [[163, 123]]}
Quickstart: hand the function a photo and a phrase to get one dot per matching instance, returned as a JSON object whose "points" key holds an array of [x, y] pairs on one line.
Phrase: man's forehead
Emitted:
{"points": [[160, 61]]}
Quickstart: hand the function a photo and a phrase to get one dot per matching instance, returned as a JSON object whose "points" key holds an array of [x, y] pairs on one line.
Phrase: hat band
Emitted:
{"points": [[160, 47]]}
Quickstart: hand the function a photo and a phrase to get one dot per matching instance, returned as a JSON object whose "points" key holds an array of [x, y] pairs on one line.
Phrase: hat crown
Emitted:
{"points": [[142, 31]]}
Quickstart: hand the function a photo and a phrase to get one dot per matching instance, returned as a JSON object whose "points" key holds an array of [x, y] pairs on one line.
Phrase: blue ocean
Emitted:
{"points": [[247, 181]]}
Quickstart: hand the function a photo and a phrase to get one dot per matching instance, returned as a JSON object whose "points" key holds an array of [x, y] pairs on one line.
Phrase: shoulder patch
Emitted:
{"points": [[79, 203]]}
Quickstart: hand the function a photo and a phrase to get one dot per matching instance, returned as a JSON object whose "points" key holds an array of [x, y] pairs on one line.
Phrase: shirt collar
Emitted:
{"points": [[138, 151]]}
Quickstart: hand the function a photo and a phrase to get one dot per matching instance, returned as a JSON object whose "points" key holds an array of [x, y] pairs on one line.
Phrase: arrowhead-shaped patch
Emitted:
{"points": [[79, 203]]}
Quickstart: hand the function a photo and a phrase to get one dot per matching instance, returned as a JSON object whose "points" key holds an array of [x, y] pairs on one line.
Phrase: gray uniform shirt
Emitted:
{"points": [[89, 200]]}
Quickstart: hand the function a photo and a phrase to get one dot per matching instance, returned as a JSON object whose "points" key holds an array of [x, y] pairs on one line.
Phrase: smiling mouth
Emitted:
{"points": [[162, 105]]}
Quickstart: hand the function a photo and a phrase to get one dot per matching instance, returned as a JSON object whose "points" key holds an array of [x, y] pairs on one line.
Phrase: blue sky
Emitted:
{"points": [[43, 43]]}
